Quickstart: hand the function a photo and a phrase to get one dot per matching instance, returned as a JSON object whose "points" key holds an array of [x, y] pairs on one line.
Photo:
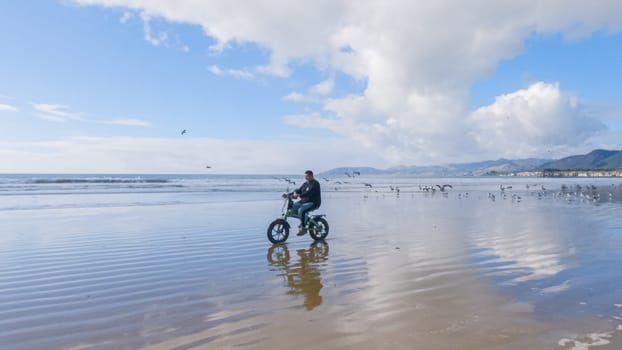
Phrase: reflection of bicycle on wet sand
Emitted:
{"points": [[302, 276]]}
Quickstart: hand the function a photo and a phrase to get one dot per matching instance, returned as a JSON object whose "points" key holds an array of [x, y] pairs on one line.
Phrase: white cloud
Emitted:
{"points": [[8, 108], [59, 113], [314, 120], [522, 122], [236, 73], [55, 112], [295, 97], [323, 88], [157, 40], [127, 15], [179, 155], [418, 58], [316, 93], [130, 122]]}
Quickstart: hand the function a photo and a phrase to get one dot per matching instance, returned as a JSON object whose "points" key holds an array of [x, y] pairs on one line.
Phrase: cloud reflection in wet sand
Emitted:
{"points": [[426, 271]]}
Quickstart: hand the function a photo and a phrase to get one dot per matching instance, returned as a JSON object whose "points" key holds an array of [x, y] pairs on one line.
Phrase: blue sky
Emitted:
{"points": [[100, 66], [583, 66]]}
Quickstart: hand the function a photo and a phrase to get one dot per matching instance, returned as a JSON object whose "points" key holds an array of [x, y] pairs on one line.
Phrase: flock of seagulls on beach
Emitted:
{"points": [[569, 193]]}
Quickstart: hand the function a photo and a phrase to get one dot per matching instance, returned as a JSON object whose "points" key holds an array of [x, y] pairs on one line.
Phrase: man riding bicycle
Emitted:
{"points": [[310, 199]]}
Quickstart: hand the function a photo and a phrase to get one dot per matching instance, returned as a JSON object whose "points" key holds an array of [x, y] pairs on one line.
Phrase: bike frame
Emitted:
{"points": [[288, 212]]}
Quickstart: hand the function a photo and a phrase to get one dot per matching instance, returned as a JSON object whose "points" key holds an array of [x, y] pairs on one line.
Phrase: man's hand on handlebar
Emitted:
{"points": [[294, 195]]}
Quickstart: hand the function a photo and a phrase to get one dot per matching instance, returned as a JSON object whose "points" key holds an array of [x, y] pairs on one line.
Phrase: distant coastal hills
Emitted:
{"points": [[605, 162], [597, 159]]}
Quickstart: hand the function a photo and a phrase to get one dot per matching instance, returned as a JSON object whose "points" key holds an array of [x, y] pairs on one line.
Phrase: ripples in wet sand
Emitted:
{"points": [[437, 272]]}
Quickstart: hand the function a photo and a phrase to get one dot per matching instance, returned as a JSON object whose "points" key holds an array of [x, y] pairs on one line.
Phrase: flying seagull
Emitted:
{"points": [[368, 185], [442, 188], [356, 173], [183, 131], [208, 167], [348, 174], [289, 181]]}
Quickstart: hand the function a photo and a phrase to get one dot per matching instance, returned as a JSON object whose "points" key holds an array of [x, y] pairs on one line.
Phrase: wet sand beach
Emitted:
{"points": [[419, 270]]}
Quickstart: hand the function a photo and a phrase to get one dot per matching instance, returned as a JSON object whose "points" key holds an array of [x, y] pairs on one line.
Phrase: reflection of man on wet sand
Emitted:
{"points": [[303, 277]]}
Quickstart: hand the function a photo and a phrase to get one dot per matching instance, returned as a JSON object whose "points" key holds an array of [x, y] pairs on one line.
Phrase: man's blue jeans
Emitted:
{"points": [[301, 208]]}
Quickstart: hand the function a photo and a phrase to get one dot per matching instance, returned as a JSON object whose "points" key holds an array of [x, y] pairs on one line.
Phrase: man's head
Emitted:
{"points": [[308, 176]]}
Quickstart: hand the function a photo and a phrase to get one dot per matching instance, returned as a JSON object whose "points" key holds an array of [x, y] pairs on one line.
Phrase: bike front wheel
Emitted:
{"points": [[278, 231], [319, 231]]}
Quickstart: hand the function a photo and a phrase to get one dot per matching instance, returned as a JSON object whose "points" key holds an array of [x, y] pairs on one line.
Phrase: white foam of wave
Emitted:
{"points": [[556, 289], [590, 340]]}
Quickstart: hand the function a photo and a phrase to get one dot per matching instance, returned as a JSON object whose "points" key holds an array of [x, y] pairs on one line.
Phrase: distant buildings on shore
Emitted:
{"points": [[570, 173]]}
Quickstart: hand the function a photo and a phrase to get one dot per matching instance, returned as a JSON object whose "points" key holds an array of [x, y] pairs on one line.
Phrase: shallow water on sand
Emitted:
{"points": [[422, 270]]}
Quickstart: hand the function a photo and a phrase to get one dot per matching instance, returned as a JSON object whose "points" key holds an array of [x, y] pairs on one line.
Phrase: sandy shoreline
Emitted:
{"points": [[419, 270]]}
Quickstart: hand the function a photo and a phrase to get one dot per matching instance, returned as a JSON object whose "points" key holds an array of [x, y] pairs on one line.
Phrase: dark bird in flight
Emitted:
{"points": [[207, 167], [290, 181], [368, 185], [356, 173], [442, 188], [325, 179], [348, 174], [183, 131]]}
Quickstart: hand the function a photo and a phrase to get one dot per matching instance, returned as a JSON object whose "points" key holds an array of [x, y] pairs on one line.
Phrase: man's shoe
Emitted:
{"points": [[302, 232]]}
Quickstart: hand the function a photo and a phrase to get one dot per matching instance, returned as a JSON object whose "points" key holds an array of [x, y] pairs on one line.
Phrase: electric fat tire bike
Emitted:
{"points": [[278, 230]]}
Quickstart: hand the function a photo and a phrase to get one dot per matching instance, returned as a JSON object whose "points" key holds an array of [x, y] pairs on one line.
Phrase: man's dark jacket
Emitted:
{"points": [[310, 192]]}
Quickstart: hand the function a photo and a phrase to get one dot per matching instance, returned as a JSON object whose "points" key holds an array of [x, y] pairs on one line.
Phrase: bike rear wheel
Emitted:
{"points": [[319, 231], [278, 231]]}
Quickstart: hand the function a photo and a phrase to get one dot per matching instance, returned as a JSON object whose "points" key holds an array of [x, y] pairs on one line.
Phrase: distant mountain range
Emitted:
{"points": [[597, 159], [489, 167]]}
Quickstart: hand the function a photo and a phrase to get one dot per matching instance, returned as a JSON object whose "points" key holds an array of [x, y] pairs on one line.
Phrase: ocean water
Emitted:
{"points": [[24, 191], [30, 191], [183, 262]]}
